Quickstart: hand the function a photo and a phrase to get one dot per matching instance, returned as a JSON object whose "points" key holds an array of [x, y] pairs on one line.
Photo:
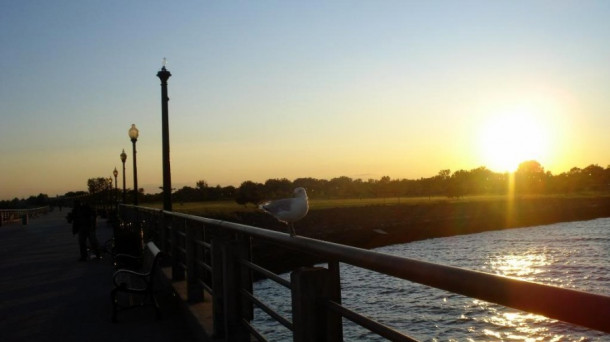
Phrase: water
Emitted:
{"points": [[571, 255]]}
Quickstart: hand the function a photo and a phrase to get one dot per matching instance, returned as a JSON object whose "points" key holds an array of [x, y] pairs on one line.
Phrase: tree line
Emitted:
{"points": [[530, 178]]}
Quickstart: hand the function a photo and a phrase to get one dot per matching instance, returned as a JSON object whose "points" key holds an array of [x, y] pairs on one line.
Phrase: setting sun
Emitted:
{"points": [[511, 137]]}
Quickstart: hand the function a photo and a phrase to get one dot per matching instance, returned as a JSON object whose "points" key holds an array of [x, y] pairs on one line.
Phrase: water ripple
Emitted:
{"points": [[571, 255]]}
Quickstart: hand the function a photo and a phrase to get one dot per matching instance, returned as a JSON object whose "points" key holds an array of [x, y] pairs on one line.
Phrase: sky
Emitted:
{"points": [[287, 89]]}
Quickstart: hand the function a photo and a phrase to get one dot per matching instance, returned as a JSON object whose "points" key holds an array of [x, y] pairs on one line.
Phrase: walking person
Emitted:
{"points": [[84, 222]]}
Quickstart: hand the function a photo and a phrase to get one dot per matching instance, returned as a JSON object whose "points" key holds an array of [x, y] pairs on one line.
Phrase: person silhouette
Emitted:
{"points": [[84, 222]]}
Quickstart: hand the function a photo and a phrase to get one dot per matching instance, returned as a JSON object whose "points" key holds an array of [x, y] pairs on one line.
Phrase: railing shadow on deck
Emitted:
{"points": [[215, 256]]}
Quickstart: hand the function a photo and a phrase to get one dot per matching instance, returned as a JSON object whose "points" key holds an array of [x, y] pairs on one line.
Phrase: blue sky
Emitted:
{"points": [[274, 89]]}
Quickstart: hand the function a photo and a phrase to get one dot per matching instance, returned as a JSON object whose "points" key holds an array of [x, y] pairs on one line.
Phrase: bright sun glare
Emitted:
{"points": [[512, 137]]}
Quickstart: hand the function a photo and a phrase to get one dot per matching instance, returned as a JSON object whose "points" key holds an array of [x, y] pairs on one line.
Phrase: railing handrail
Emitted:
{"points": [[10, 215], [568, 305], [24, 210]]}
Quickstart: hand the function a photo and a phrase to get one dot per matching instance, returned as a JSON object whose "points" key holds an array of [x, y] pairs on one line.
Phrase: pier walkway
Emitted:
{"points": [[47, 295]]}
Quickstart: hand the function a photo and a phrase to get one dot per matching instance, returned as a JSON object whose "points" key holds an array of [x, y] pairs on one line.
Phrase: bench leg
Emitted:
{"points": [[156, 305], [114, 299]]}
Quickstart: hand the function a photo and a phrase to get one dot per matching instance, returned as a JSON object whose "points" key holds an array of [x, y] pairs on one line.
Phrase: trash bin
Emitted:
{"points": [[24, 219]]}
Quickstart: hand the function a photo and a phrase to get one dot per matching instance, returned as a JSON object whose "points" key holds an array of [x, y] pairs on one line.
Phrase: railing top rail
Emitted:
{"points": [[23, 210], [577, 307]]}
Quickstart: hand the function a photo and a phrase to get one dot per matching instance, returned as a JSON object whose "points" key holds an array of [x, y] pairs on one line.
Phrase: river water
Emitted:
{"points": [[573, 255]]}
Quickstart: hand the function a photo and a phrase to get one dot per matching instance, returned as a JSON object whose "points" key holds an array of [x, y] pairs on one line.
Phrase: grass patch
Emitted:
{"points": [[232, 206], [215, 208]]}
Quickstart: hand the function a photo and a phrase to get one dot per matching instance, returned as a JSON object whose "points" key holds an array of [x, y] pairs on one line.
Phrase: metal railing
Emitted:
{"points": [[20, 215], [216, 256]]}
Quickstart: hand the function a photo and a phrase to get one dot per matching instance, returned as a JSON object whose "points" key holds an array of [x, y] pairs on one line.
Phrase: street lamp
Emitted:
{"points": [[164, 75], [115, 173], [123, 159], [133, 135], [108, 199]]}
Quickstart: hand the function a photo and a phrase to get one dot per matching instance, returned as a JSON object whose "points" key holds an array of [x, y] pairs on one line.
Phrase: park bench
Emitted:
{"points": [[137, 286]]}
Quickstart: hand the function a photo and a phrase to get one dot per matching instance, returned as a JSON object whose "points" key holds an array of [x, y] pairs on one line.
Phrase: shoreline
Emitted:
{"points": [[376, 226]]}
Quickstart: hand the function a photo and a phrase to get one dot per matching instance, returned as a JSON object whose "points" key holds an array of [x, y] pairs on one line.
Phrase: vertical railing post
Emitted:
{"points": [[163, 223], [234, 305], [145, 227], [335, 320], [311, 288], [177, 269], [137, 224], [153, 226], [194, 290], [245, 277], [218, 243]]}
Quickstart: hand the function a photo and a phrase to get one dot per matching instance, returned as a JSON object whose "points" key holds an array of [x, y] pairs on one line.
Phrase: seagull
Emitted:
{"points": [[288, 210]]}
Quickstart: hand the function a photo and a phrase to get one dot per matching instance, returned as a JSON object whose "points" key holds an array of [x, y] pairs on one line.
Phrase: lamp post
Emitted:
{"points": [[123, 159], [133, 135], [115, 173], [109, 192], [164, 75]]}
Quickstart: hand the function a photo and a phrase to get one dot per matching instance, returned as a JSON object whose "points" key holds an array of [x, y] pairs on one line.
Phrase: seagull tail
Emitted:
{"points": [[261, 206]]}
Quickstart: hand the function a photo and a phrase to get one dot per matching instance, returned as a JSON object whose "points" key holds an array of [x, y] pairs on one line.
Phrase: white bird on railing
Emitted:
{"points": [[288, 210]]}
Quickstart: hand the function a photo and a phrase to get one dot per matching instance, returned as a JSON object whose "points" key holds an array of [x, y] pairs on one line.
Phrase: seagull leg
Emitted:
{"points": [[291, 230]]}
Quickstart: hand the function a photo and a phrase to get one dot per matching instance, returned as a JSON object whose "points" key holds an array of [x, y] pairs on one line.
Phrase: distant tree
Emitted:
{"points": [[593, 177], [212, 193], [71, 194], [201, 184], [530, 177], [275, 188], [98, 184], [530, 167], [38, 201], [458, 184], [481, 180], [340, 187], [385, 188], [15, 203], [227, 192], [442, 182], [315, 187], [575, 171], [573, 179], [406, 187], [249, 192], [444, 174], [187, 194]]}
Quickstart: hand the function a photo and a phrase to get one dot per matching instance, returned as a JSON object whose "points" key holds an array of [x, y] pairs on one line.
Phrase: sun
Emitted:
{"points": [[511, 137]]}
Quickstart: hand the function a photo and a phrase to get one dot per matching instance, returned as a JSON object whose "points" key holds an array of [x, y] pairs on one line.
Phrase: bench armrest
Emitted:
{"points": [[127, 256], [129, 279], [128, 261]]}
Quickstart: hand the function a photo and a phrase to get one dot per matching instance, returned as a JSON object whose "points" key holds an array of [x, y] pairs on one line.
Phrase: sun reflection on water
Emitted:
{"points": [[512, 325], [523, 326], [523, 266]]}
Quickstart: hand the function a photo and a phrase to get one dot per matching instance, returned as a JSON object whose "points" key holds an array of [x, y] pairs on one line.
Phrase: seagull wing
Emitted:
{"points": [[276, 207]]}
